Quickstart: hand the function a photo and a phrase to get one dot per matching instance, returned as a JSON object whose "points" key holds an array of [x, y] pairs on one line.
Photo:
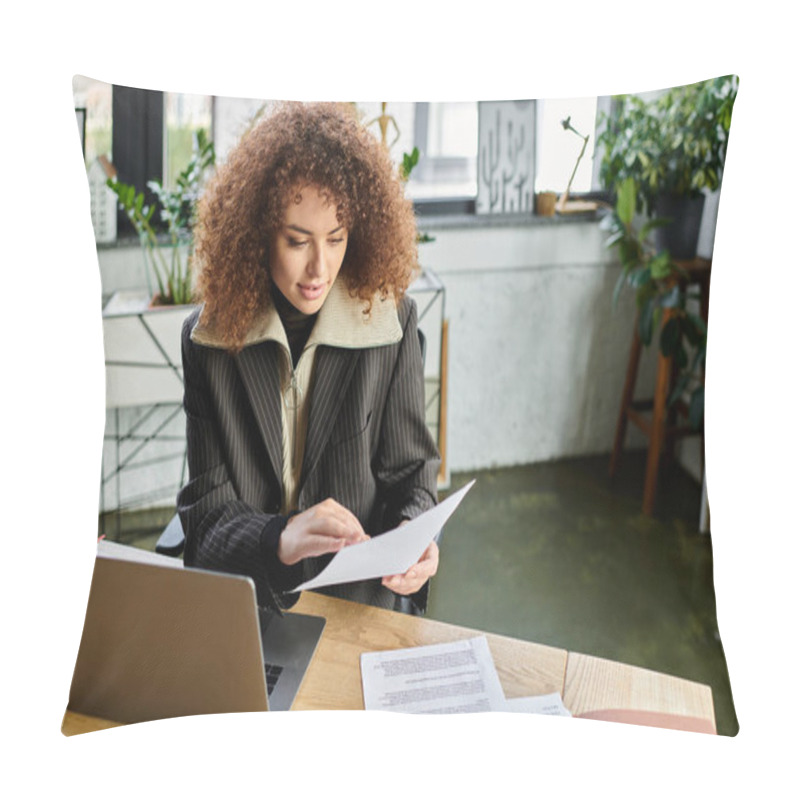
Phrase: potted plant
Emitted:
{"points": [[410, 160], [170, 257], [674, 148], [656, 279]]}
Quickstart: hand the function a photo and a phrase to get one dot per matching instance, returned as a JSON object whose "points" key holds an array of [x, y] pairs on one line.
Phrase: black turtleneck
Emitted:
{"points": [[296, 324]]}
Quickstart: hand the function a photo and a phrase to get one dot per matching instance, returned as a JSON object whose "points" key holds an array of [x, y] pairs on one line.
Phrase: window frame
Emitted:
{"points": [[443, 205], [460, 205], [137, 145], [139, 138]]}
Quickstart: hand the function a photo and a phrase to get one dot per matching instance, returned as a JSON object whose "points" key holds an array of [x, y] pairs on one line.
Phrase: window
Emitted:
{"points": [[94, 98], [152, 132], [446, 135], [137, 135], [147, 135], [184, 115], [557, 149]]}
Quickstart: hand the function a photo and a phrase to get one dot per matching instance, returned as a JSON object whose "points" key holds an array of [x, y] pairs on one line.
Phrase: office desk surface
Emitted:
{"points": [[587, 684], [334, 679], [596, 684]]}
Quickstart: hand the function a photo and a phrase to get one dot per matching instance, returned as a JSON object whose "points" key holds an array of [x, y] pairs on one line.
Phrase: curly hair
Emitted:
{"points": [[243, 207]]}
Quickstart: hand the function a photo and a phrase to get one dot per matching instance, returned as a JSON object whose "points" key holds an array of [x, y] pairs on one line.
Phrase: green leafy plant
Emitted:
{"points": [[410, 160], [660, 297], [675, 144], [178, 207]]}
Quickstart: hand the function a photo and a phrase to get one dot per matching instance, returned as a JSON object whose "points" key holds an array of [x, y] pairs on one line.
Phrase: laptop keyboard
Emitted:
{"points": [[272, 672]]}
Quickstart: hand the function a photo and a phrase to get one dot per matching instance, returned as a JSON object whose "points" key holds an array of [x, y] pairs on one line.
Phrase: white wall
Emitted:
{"points": [[537, 353]]}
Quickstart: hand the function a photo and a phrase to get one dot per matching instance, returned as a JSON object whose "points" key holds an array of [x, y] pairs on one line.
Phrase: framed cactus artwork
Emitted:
{"points": [[506, 157]]}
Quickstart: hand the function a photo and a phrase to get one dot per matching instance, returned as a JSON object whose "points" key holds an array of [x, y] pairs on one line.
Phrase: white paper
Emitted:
{"points": [[452, 678], [125, 552], [391, 553], [550, 704]]}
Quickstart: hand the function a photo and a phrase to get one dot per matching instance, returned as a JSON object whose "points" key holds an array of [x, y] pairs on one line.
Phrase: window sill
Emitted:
{"points": [[132, 241], [459, 213], [440, 222], [459, 221]]}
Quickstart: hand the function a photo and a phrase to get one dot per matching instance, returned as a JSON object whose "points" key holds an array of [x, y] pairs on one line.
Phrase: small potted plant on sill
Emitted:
{"points": [[410, 160], [660, 297], [674, 149], [170, 259]]}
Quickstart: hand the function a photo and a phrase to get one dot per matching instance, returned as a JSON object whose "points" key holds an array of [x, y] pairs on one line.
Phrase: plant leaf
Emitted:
{"points": [[698, 323], [629, 253], [646, 322], [661, 265], [693, 335], [680, 388], [697, 407], [615, 237], [670, 337], [626, 200], [671, 298], [640, 277], [656, 222]]}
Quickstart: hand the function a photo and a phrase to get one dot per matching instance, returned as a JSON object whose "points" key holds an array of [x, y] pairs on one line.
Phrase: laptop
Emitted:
{"points": [[162, 640]]}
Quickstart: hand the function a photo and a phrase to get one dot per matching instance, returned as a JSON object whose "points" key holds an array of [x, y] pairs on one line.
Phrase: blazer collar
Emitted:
{"points": [[341, 323], [344, 330]]}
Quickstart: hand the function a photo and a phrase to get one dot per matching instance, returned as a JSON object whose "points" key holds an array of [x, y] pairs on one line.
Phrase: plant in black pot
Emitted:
{"points": [[663, 299], [674, 148]]}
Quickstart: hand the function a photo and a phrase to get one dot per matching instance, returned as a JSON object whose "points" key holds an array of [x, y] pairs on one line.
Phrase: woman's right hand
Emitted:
{"points": [[324, 528]]}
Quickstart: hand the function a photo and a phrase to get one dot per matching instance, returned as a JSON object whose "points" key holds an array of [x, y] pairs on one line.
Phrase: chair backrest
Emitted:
{"points": [[172, 540]]}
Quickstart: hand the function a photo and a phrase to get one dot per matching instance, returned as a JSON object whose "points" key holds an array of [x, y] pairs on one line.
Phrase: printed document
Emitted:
{"points": [[453, 678], [550, 704], [391, 553]]}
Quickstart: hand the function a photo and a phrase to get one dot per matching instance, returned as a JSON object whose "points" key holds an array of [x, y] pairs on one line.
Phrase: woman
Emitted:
{"points": [[302, 368]]}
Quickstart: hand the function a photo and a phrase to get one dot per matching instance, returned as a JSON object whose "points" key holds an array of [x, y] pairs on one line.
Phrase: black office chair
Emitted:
{"points": [[171, 541]]}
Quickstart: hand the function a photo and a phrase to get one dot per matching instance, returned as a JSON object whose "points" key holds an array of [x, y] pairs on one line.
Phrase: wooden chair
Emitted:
{"points": [[661, 424]]}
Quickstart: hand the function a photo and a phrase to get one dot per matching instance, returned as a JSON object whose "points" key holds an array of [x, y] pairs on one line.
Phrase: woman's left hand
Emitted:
{"points": [[414, 578]]}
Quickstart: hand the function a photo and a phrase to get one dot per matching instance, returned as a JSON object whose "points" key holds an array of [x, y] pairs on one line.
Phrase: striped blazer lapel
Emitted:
{"points": [[259, 368], [333, 370]]}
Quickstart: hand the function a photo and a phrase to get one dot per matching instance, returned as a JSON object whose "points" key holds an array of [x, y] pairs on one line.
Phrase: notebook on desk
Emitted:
{"points": [[161, 640]]}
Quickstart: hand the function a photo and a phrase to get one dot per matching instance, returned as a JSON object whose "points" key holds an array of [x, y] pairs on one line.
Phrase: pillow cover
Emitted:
{"points": [[542, 282]]}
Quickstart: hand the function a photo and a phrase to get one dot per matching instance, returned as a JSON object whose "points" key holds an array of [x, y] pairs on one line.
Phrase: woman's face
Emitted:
{"points": [[307, 251]]}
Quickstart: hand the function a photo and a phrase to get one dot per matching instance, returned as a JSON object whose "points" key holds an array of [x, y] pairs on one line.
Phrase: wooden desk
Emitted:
{"points": [[596, 684], [333, 681]]}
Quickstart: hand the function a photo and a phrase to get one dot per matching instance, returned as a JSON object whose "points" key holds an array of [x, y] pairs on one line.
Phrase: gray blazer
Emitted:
{"points": [[367, 446]]}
